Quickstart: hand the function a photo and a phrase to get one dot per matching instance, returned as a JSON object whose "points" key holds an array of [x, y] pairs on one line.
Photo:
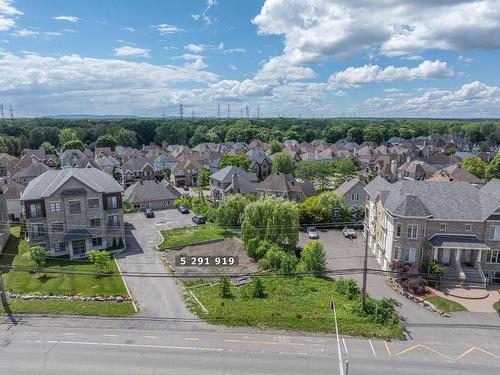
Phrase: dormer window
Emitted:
{"points": [[442, 226]]}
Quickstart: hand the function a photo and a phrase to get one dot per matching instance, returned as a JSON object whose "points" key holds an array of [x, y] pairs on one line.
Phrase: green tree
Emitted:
{"points": [[282, 162], [225, 288], [355, 135], [106, 140], [315, 169], [231, 209], [258, 290], [204, 176], [313, 258], [272, 219], [288, 264], [474, 165], [485, 147], [38, 255], [167, 173], [125, 137], [66, 135], [493, 169], [48, 148], [333, 134], [3, 145], [100, 258], [345, 168], [357, 213], [75, 144], [235, 160], [275, 147]]}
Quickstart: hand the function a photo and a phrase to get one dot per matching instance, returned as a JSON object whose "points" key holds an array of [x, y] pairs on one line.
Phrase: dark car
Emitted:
{"points": [[183, 209], [149, 212], [349, 233], [312, 233], [186, 188], [199, 219]]}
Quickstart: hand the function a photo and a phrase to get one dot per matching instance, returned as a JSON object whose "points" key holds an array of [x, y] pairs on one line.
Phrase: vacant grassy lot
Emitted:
{"points": [[70, 308], [446, 304], [299, 303], [192, 235], [16, 253]]}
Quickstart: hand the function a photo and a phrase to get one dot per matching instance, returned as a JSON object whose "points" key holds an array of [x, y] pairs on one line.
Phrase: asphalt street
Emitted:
{"points": [[75, 345]]}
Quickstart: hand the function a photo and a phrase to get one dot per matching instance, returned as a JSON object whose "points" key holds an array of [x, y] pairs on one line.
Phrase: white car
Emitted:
{"points": [[312, 233], [349, 233]]}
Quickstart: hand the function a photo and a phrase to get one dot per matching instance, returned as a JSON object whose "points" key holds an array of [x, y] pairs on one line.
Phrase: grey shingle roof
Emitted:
{"points": [[376, 185], [45, 185], [457, 242], [348, 185], [151, 190], [225, 174], [35, 169], [137, 164]]}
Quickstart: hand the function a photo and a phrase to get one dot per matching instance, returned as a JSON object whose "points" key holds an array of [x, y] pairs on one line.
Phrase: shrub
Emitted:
{"points": [[258, 288], [272, 259], [313, 258], [38, 254], [382, 311], [225, 288], [288, 264], [408, 278], [100, 258], [347, 287]]}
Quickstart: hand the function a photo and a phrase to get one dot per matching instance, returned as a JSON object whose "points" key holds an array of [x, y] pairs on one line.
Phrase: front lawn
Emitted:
{"points": [[192, 235], [446, 304], [16, 253], [496, 306], [108, 308], [298, 303]]}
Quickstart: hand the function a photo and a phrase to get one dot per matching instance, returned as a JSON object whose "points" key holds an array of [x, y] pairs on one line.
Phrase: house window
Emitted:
{"points": [[37, 231], [93, 203], [75, 207], [468, 227], [410, 254], [495, 233], [493, 256], [411, 231], [355, 197], [95, 222], [398, 230], [442, 226], [58, 247], [36, 210], [55, 206], [112, 202], [57, 227], [97, 241], [113, 221], [396, 252]]}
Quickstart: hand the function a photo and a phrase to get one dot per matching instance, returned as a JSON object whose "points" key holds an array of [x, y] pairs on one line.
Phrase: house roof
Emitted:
{"points": [[418, 167], [151, 190], [450, 241], [33, 170], [376, 185], [46, 184], [11, 189], [348, 185], [107, 161], [455, 173], [286, 183], [187, 162], [137, 164], [225, 175]]}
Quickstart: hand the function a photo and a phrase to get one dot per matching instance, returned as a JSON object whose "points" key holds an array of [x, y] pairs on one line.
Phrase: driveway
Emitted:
{"points": [[158, 297]]}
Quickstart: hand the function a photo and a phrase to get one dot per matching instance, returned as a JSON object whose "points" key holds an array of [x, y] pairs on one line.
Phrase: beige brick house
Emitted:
{"points": [[454, 223], [73, 210]]}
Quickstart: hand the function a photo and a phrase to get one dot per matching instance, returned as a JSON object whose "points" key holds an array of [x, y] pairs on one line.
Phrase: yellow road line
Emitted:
{"points": [[229, 340], [465, 353], [478, 349], [421, 346], [150, 337], [387, 348], [70, 334], [109, 335], [191, 338]]}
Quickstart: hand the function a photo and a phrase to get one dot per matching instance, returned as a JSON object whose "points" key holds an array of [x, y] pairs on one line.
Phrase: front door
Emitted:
{"points": [[79, 247], [466, 256], [446, 256]]}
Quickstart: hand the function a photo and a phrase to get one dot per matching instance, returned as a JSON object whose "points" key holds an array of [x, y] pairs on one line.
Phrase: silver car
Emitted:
{"points": [[312, 233]]}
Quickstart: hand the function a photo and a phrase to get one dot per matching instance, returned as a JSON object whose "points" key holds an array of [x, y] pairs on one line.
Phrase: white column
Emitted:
{"points": [[479, 255], [458, 252], [435, 253]]}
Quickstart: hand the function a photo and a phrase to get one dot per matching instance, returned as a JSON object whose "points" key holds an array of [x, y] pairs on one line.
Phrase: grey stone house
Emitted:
{"points": [[261, 163], [153, 194], [232, 180], [286, 186], [353, 192], [35, 169], [454, 223], [73, 210]]}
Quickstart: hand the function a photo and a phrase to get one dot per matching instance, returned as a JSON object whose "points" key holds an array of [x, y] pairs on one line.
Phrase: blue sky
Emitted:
{"points": [[314, 57]]}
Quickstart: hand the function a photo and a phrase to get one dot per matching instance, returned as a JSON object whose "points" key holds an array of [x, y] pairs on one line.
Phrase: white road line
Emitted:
{"points": [[345, 346], [371, 346]]}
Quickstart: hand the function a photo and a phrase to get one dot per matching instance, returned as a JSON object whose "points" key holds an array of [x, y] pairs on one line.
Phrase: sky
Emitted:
{"points": [[307, 58]]}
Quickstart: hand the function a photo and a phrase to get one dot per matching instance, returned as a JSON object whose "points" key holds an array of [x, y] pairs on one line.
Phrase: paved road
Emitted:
{"points": [[85, 345], [160, 296]]}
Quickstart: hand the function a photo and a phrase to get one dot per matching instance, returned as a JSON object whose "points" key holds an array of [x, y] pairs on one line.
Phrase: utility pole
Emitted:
{"points": [[258, 111], [365, 264], [247, 111], [3, 296], [241, 112], [228, 110], [218, 110], [2, 114], [11, 113], [181, 111], [192, 114]]}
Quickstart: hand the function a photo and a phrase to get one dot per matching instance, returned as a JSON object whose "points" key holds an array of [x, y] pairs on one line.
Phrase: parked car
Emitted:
{"points": [[186, 188], [149, 212], [183, 209], [349, 233], [312, 233], [199, 219]]}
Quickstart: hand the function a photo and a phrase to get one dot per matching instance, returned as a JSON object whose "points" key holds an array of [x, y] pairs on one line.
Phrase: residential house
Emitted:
{"points": [[152, 194], [454, 223], [75, 159], [137, 169], [165, 161], [35, 169], [455, 173], [185, 172], [71, 211], [103, 151], [108, 164], [7, 164], [11, 192], [286, 186], [415, 170], [232, 180], [261, 163], [353, 191]]}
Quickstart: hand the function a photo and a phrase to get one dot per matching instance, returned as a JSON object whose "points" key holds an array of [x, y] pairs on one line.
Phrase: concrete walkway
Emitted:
{"points": [[483, 305]]}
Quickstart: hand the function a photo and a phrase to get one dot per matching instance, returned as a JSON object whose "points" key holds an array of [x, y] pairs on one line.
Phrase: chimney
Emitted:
{"points": [[394, 167], [236, 187], [408, 159]]}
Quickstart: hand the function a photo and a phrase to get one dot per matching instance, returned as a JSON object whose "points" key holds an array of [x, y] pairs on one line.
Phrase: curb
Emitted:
{"points": [[126, 286]]}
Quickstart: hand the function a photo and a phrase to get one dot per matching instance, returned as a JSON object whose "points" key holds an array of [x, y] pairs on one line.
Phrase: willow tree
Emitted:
{"points": [[230, 210], [272, 219]]}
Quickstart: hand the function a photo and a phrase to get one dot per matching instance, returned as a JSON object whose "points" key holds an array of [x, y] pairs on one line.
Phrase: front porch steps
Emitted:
{"points": [[472, 278]]}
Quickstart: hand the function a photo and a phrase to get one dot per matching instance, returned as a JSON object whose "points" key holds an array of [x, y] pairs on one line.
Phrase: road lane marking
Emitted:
{"points": [[191, 338], [230, 340], [345, 346], [387, 348], [109, 335], [151, 337], [421, 346], [31, 333], [478, 349], [371, 346], [69, 334]]}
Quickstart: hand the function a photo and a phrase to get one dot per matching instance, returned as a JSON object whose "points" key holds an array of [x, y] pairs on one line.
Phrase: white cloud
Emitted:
{"points": [[232, 67], [131, 51], [354, 77], [72, 19], [316, 29], [165, 29], [197, 48], [188, 57], [30, 33], [7, 14], [466, 60], [211, 3], [195, 17], [130, 29]]}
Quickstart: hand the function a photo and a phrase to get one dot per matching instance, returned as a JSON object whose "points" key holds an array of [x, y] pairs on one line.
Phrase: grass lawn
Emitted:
{"points": [[446, 304], [496, 306], [300, 303], [16, 252], [70, 308], [192, 235]]}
